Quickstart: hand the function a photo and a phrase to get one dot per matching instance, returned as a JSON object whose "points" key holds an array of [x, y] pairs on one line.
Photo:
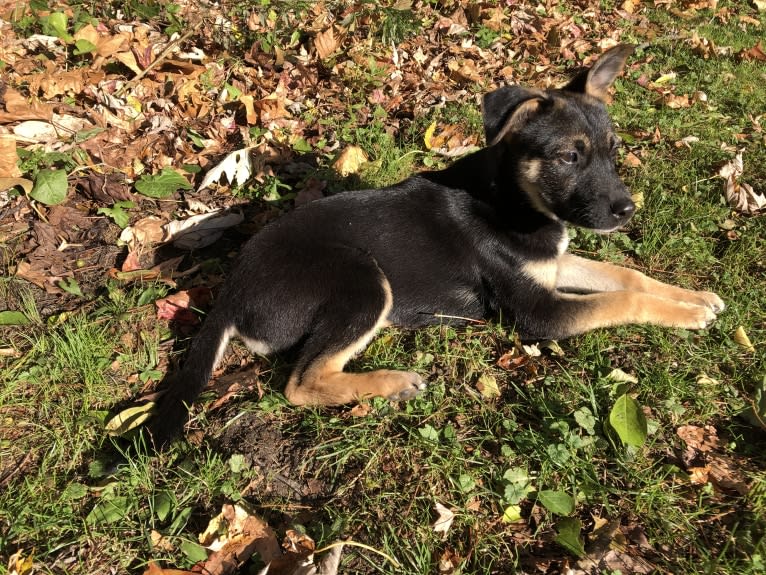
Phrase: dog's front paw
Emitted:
{"points": [[411, 386], [711, 300], [693, 316]]}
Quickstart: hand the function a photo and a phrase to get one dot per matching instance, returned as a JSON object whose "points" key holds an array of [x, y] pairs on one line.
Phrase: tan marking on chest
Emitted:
{"points": [[542, 272]]}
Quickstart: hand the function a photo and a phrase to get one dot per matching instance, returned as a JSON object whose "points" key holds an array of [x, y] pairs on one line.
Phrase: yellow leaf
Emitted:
{"points": [[129, 419], [740, 336], [350, 160], [512, 514], [20, 565], [665, 78], [487, 386], [428, 136], [621, 377]]}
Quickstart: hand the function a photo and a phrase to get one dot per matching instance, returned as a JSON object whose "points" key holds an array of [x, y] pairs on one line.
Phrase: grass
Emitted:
{"points": [[75, 499]]}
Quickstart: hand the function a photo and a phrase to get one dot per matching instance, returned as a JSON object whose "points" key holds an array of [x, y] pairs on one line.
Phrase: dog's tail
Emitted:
{"points": [[180, 389]]}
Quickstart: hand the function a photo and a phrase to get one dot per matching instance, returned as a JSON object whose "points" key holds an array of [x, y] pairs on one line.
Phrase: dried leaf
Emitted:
{"points": [[620, 376], [143, 233], [740, 196], [487, 386], [237, 167], [742, 340], [128, 419], [325, 43], [350, 160], [234, 536], [444, 520], [8, 157], [154, 569], [201, 230]]}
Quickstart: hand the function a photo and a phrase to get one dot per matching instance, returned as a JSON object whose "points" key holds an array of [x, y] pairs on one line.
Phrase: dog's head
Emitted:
{"points": [[563, 146]]}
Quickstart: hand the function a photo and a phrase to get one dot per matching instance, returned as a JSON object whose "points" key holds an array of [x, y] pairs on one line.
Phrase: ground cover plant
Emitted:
{"points": [[631, 450]]}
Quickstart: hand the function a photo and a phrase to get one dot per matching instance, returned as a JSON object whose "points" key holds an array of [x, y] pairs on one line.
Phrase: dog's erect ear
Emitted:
{"points": [[507, 107], [596, 80]]}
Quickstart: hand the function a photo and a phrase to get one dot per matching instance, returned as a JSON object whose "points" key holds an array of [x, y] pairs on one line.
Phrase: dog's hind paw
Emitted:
{"points": [[413, 385]]}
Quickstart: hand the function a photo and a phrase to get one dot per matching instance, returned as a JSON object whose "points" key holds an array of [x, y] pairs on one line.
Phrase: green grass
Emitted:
{"points": [[77, 500]]}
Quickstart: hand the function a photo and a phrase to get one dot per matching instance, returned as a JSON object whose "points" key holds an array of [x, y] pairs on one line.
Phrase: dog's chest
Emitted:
{"points": [[545, 271]]}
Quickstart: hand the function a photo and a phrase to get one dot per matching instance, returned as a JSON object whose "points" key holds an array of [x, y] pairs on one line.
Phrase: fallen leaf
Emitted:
{"points": [[128, 419], [234, 536], [20, 564], [23, 183], [632, 160], [325, 43], [740, 195], [725, 474], [703, 439], [143, 233], [237, 167], [201, 230], [487, 386], [160, 542], [360, 410], [757, 52], [742, 340], [621, 377], [17, 107], [444, 520], [178, 307], [9, 159], [350, 160]]}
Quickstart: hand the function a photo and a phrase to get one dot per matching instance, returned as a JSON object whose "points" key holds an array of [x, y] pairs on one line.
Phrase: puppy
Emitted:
{"points": [[485, 236]]}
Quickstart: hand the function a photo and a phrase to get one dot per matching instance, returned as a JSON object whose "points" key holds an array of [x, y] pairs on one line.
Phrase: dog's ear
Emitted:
{"points": [[506, 108], [596, 80]]}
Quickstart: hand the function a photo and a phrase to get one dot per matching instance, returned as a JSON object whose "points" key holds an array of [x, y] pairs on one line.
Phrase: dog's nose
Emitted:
{"points": [[623, 208]]}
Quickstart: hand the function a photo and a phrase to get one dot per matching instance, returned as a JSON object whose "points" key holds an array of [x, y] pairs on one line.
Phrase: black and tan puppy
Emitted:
{"points": [[484, 237]]}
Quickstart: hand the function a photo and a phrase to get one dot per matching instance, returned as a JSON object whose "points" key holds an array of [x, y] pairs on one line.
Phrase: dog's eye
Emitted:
{"points": [[569, 157]]}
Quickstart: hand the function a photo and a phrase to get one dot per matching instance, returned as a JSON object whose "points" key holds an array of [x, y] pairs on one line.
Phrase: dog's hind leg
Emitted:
{"points": [[343, 327]]}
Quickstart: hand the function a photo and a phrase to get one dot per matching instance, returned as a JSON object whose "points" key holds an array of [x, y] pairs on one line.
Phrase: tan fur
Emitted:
{"points": [[323, 382], [627, 296]]}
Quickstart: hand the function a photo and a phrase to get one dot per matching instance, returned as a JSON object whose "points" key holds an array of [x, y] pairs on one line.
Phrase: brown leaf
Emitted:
{"points": [[17, 107], [632, 160], [325, 43], [178, 306], [144, 233], [235, 535], [702, 439], [725, 474], [757, 52], [8, 157], [312, 190], [104, 188], [247, 102]]}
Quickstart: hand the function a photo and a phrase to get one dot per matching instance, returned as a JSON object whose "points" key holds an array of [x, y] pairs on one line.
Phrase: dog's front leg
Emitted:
{"points": [[559, 315], [580, 275]]}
